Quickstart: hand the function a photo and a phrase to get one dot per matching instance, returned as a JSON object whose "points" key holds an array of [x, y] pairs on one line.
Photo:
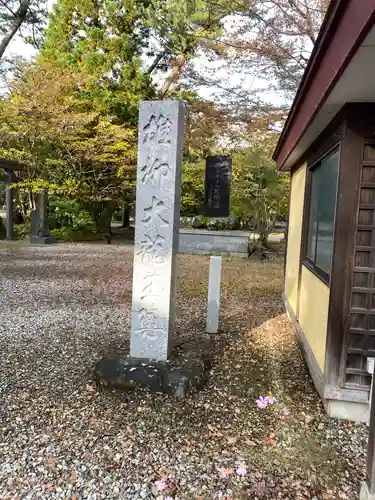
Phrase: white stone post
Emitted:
{"points": [[213, 303], [157, 221], [367, 491]]}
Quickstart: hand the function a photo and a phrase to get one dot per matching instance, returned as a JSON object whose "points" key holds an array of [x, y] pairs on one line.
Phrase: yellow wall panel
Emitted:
{"points": [[313, 313], [297, 194]]}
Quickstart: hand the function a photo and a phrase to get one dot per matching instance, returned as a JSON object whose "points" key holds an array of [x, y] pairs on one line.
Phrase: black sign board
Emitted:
{"points": [[217, 186]]}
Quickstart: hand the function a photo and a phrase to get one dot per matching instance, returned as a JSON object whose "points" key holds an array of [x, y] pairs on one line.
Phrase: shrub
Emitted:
{"points": [[65, 213], [22, 231], [75, 234]]}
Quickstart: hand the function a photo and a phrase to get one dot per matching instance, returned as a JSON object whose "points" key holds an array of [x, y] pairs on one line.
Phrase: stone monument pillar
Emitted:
{"points": [[39, 220], [159, 174], [151, 363]]}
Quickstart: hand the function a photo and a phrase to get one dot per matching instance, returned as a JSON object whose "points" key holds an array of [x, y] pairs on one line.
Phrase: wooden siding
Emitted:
{"points": [[361, 334]]}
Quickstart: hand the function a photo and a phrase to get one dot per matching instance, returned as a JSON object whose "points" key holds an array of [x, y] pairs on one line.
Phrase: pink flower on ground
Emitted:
{"points": [[168, 498], [162, 484], [241, 468], [270, 399], [262, 402], [285, 412]]}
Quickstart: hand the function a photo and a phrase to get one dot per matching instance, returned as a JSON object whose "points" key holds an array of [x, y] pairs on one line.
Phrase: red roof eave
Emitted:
{"points": [[345, 27]]}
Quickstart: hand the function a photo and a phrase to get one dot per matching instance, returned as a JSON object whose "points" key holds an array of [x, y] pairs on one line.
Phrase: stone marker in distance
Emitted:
{"points": [[151, 362], [40, 232]]}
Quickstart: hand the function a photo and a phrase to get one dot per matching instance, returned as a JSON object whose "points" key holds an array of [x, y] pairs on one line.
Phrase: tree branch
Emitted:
{"points": [[14, 27], [155, 62], [174, 75], [7, 7]]}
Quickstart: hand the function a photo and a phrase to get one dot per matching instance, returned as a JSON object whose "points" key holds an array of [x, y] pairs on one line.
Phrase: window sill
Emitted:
{"points": [[323, 276]]}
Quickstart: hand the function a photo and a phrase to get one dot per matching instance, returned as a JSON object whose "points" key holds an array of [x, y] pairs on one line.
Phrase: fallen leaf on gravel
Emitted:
{"points": [[163, 471], [308, 419], [249, 442], [269, 442], [73, 477], [52, 462], [231, 440]]}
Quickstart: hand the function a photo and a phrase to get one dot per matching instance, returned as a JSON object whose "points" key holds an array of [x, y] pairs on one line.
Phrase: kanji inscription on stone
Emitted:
{"points": [[157, 218]]}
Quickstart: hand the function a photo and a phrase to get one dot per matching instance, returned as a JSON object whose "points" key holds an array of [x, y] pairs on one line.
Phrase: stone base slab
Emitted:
{"points": [[348, 410], [42, 240], [365, 493], [175, 377]]}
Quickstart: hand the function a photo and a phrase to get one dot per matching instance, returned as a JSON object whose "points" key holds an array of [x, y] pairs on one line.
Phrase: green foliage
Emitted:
{"points": [[192, 190], [180, 30], [75, 234], [105, 40], [22, 231], [259, 190], [67, 213], [2, 193], [67, 145], [71, 117]]}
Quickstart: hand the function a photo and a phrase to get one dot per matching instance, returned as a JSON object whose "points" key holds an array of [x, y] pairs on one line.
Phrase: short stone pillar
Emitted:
{"points": [[159, 175], [39, 220], [213, 301]]}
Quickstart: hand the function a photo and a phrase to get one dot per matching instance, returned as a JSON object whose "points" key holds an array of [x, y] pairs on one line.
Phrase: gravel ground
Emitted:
{"points": [[65, 306]]}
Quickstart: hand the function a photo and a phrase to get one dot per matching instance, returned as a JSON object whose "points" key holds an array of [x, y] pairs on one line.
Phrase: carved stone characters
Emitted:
{"points": [[157, 221]]}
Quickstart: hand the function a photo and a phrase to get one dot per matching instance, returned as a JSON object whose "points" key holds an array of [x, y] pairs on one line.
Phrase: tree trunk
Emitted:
{"points": [[19, 18], [31, 200], [259, 254], [126, 216], [173, 77], [108, 228]]}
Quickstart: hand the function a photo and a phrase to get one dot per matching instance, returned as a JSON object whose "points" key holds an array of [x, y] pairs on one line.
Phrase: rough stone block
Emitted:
{"points": [[365, 493], [42, 240], [176, 377]]}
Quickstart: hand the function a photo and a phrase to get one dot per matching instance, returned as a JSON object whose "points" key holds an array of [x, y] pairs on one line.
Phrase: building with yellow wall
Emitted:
{"points": [[328, 146]]}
